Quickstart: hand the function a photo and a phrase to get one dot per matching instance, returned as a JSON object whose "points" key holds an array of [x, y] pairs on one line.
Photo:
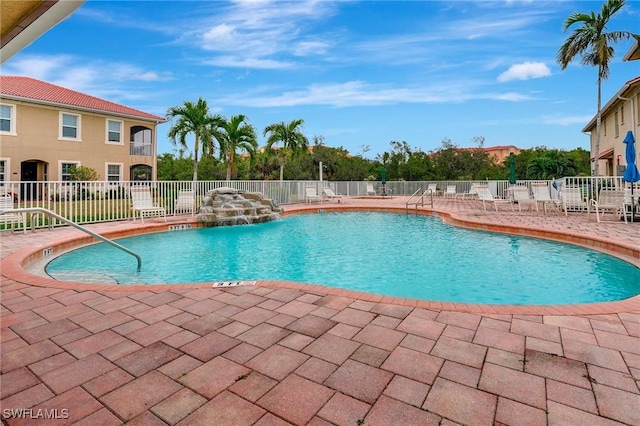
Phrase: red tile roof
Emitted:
{"points": [[26, 88]]}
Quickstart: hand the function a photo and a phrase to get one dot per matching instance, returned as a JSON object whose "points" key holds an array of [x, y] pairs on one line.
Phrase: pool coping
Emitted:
{"points": [[13, 265]]}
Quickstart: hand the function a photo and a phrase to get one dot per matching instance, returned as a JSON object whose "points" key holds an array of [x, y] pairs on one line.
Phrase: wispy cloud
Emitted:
{"points": [[566, 120], [360, 93], [87, 77], [525, 71]]}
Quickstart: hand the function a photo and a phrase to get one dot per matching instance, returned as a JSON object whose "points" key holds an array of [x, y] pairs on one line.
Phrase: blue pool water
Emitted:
{"points": [[391, 254]]}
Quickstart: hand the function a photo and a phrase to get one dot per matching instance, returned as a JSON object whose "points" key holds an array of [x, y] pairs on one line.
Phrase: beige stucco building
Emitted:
{"points": [[619, 115], [46, 129]]}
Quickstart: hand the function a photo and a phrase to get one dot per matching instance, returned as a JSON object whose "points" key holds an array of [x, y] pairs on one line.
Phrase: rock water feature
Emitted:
{"points": [[228, 206]]}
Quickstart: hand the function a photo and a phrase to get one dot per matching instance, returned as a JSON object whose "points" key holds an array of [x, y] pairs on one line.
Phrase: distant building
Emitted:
{"points": [[497, 153], [46, 129]]}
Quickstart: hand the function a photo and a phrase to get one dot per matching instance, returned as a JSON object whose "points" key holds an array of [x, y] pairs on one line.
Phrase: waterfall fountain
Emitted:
{"points": [[227, 206]]}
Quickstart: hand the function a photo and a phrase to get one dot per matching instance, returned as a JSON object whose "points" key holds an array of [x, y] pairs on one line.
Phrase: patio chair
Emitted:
{"points": [[11, 219], [185, 202], [522, 197], [311, 195], [433, 187], [473, 192], [450, 191], [371, 190], [572, 199], [142, 204], [484, 194], [610, 199], [328, 193], [541, 194]]}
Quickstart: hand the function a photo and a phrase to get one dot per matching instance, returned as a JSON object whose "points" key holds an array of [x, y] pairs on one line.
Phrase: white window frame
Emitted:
{"points": [[120, 132], [12, 118], [621, 114], [106, 173], [617, 124], [60, 163], [78, 127]]}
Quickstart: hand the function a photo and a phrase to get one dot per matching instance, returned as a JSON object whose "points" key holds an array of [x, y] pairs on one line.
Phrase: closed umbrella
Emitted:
{"points": [[631, 173], [512, 169]]}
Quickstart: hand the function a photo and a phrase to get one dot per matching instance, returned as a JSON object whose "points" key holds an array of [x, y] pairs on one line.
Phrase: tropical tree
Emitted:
{"points": [[233, 135], [193, 118], [292, 138], [592, 43]]}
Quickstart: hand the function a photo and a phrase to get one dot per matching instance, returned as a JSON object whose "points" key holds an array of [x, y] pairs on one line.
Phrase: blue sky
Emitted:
{"points": [[360, 74]]}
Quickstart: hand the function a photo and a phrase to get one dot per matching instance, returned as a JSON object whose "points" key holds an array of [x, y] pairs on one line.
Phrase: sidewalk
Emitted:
{"points": [[282, 353]]}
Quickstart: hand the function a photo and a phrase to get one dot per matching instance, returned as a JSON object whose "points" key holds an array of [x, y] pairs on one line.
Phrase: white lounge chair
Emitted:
{"points": [[433, 188], [311, 194], [542, 194], [328, 193], [610, 199], [522, 197], [473, 192], [484, 194], [185, 202], [572, 199], [450, 191], [11, 219], [142, 204], [371, 190]]}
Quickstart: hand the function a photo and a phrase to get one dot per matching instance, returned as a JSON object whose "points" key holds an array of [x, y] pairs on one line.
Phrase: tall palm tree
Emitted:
{"points": [[293, 141], [593, 44], [234, 134], [193, 118]]}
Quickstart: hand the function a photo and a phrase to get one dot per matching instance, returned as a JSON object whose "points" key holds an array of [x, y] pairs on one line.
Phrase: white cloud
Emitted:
{"points": [[360, 93], [566, 120], [525, 71]]}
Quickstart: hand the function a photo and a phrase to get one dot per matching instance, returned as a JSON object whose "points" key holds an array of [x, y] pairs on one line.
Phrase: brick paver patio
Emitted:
{"points": [[282, 353]]}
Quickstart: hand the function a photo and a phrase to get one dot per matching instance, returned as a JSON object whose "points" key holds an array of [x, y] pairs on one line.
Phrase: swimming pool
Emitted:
{"points": [[391, 254]]}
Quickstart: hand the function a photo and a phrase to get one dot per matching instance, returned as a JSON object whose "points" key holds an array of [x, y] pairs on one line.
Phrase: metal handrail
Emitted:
{"points": [[420, 200], [36, 210]]}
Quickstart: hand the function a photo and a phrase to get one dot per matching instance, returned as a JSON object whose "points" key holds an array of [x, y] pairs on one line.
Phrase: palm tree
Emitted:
{"points": [[233, 134], [193, 118], [293, 141], [593, 45]]}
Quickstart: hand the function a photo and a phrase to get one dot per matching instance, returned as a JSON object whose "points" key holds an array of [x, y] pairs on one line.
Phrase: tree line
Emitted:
{"points": [[400, 162]]}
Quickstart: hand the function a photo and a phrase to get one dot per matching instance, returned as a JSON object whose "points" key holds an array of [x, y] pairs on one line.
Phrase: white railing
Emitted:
{"points": [[100, 201]]}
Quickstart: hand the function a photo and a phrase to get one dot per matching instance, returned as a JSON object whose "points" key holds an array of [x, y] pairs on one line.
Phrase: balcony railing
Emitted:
{"points": [[143, 150]]}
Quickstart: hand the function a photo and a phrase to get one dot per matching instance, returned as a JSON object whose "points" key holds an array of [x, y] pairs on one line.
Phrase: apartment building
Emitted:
{"points": [[46, 129]]}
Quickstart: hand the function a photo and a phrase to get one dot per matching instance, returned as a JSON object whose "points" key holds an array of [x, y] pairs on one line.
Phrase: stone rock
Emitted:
{"points": [[229, 206]]}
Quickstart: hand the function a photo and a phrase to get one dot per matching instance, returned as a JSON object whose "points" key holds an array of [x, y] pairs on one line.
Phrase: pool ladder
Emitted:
{"points": [[419, 200], [36, 210]]}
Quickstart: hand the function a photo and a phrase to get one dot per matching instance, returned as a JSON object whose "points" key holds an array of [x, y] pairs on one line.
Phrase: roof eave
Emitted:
{"points": [[79, 108], [629, 84], [634, 52]]}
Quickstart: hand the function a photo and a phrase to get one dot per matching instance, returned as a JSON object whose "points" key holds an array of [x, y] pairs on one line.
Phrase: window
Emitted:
{"points": [[4, 171], [65, 169], [616, 124], [114, 131], [114, 172], [7, 119], [622, 114], [604, 127], [69, 126]]}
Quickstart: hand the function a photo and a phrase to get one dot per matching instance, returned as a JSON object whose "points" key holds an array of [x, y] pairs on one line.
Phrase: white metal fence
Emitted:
{"points": [[100, 201]]}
